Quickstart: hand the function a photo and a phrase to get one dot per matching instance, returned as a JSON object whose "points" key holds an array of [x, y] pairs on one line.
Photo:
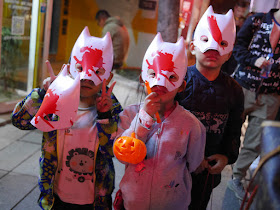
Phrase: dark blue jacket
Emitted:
{"points": [[219, 105], [258, 29]]}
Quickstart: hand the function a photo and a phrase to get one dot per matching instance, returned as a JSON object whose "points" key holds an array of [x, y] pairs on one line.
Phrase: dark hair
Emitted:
{"points": [[241, 3], [102, 14]]}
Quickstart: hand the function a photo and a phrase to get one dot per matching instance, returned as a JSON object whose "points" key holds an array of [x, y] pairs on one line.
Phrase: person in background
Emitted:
{"points": [[257, 50], [215, 99], [175, 143], [119, 34], [239, 12]]}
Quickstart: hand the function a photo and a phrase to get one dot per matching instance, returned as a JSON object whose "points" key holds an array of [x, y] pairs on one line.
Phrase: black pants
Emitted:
{"points": [[201, 191], [60, 205]]}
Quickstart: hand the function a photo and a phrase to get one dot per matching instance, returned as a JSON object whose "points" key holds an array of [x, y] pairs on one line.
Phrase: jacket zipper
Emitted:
{"points": [[155, 160]]}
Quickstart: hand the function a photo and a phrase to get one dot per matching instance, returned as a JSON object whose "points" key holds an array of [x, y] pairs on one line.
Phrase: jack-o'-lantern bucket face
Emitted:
{"points": [[129, 149]]}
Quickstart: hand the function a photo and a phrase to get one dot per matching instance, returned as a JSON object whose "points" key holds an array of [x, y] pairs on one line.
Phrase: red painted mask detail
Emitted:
{"points": [[91, 58], [214, 29], [162, 62], [48, 106]]}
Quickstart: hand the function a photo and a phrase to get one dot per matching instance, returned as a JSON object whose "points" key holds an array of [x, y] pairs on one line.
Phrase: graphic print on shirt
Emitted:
{"points": [[214, 123], [171, 185], [177, 155], [81, 161]]}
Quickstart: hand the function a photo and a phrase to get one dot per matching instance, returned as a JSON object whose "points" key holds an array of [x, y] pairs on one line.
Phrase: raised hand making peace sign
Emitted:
{"points": [[104, 102]]}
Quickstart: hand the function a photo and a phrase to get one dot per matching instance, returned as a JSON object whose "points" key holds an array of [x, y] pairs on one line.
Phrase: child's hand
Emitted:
{"points": [[261, 62], [203, 165], [47, 82], [104, 102], [152, 104], [220, 163]]}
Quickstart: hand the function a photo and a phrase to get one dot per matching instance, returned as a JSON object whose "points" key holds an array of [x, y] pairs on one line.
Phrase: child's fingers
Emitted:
{"points": [[104, 104], [153, 96], [110, 90], [103, 88], [50, 70], [104, 99]]}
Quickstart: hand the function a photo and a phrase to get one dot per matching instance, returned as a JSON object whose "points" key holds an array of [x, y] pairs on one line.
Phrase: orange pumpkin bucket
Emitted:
{"points": [[130, 149]]}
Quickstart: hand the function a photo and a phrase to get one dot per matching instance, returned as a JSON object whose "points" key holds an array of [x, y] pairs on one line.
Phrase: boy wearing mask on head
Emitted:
{"points": [[215, 99]]}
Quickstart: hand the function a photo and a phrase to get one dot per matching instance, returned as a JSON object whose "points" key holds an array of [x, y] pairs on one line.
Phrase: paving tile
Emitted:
{"points": [[126, 91], [33, 137], [218, 194], [30, 201], [29, 166], [2, 121], [119, 172], [5, 119], [14, 154], [3, 173], [13, 188], [9, 134]]}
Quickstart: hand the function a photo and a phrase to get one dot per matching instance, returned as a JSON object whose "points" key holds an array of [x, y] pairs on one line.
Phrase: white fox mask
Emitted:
{"points": [[164, 60], [215, 32]]}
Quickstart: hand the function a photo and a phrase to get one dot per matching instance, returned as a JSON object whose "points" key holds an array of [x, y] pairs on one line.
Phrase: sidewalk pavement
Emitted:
{"points": [[20, 151], [5, 111]]}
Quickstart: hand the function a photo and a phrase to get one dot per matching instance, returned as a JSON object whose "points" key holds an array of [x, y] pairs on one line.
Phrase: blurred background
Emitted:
{"points": [[33, 31]]}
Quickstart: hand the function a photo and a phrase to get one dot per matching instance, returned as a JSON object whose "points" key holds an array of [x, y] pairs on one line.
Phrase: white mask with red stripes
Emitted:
{"points": [[215, 32]]}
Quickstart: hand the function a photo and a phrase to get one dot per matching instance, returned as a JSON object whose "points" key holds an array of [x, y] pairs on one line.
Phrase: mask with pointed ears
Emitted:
{"points": [[215, 32], [93, 56], [165, 64], [60, 104]]}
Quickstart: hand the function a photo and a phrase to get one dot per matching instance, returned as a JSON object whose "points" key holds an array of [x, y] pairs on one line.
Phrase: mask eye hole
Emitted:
{"points": [[79, 67], [174, 78], [51, 117], [224, 43], [151, 73], [100, 71], [204, 38]]}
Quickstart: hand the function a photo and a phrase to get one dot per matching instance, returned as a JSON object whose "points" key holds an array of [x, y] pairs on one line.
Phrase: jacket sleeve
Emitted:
{"points": [[196, 146], [231, 137], [48, 166], [130, 122], [22, 114], [25, 110], [107, 125], [240, 51]]}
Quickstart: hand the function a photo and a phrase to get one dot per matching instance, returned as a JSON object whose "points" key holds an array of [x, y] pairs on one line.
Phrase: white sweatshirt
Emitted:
{"points": [[175, 148]]}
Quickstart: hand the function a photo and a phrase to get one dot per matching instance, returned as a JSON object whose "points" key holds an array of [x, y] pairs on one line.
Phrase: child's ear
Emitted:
{"points": [[182, 87], [109, 79], [192, 48]]}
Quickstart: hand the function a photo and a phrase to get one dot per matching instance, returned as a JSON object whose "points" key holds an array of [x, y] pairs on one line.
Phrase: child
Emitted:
{"points": [[215, 99], [175, 146], [76, 167]]}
